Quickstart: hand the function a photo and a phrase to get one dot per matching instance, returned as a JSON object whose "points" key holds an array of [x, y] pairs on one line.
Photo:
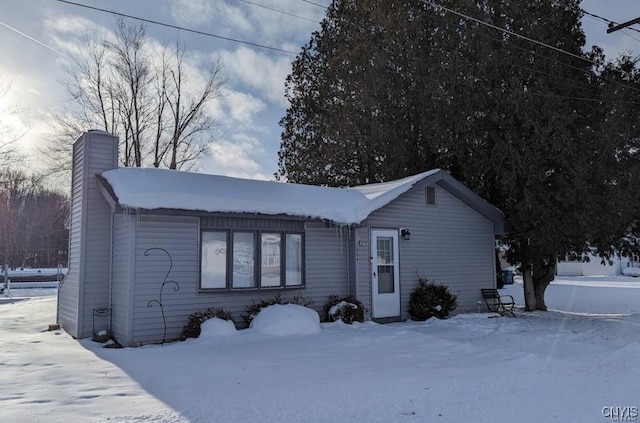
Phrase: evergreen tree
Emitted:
{"points": [[388, 89]]}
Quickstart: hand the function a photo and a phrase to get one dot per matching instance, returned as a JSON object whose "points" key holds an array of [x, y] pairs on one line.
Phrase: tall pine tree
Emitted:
{"points": [[388, 89]]}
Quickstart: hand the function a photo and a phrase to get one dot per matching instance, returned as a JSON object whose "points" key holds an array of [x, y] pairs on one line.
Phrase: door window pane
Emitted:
{"points": [[385, 280], [243, 260], [270, 260], [386, 272], [213, 266], [385, 250], [294, 259]]}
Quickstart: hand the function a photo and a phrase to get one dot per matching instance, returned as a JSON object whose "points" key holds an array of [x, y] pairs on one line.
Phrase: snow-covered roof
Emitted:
{"points": [[144, 188]]}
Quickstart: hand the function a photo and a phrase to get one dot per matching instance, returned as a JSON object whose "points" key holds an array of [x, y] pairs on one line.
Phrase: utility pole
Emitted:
{"points": [[613, 28]]}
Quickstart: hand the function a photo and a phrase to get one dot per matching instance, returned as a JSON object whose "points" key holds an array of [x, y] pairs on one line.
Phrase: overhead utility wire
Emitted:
{"points": [[315, 4], [608, 21], [515, 34], [613, 81], [462, 15], [276, 10], [208, 34]]}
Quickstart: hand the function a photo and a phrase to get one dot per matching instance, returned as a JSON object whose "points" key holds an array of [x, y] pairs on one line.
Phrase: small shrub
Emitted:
{"points": [[253, 310], [192, 330], [347, 309], [431, 300]]}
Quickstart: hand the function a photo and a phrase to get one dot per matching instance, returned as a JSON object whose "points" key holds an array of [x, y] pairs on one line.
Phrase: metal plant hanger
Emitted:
{"points": [[164, 282]]}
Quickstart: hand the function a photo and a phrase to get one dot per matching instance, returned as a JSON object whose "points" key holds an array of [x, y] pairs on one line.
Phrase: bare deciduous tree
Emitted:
{"points": [[124, 84], [31, 221], [9, 135], [189, 121]]}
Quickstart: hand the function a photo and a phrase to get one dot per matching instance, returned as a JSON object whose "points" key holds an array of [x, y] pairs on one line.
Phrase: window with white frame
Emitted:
{"points": [[251, 259]]}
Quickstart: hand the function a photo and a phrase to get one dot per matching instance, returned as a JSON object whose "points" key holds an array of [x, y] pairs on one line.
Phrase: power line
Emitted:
{"points": [[567, 65], [279, 11], [586, 87], [591, 100], [525, 38], [208, 34], [610, 23], [506, 31], [315, 4]]}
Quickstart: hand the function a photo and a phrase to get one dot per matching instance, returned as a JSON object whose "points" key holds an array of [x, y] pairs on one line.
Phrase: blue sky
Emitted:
{"points": [[254, 101]]}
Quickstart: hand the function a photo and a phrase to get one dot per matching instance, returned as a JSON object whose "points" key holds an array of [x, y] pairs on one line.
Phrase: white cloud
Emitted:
{"points": [[68, 24], [228, 19], [259, 71], [236, 157], [191, 12], [279, 28], [242, 107]]}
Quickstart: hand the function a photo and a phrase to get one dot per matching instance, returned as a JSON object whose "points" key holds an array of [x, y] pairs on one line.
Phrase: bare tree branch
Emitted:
{"points": [[120, 84], [9, 135]]}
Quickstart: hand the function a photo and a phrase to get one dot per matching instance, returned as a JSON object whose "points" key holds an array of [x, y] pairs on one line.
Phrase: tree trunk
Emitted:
{"points": [[529, 289], [545, 273]]}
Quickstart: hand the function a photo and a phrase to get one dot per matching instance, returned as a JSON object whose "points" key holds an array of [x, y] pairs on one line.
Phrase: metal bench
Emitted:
{"points": [[496, 303]]}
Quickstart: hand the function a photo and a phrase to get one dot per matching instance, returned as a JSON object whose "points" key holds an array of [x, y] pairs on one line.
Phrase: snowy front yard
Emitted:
{"points": [[557, 366]]}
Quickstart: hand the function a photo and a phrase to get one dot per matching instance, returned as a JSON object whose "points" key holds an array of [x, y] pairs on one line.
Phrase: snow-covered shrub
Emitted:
{"points": [[193, 328], [347, 309], [216, 327], [431, 300], [286, 320], [253, 310]]}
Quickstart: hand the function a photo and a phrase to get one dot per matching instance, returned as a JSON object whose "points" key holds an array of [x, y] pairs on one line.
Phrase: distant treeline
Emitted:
{"points": [[32, 217]]}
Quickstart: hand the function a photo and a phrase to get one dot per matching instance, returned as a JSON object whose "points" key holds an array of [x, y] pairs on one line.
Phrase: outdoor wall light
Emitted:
{"points": [[405, 234]]}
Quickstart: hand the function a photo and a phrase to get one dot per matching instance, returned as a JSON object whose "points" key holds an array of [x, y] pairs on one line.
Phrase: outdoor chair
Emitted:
{"points": [[496, 303]]}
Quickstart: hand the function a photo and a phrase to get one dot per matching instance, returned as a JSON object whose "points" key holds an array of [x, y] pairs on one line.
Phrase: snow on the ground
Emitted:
{"points": [[563, 365], [36, 271]]}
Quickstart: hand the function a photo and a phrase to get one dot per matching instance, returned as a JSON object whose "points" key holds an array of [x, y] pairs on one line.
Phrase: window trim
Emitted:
{"points": [[257, 234]]}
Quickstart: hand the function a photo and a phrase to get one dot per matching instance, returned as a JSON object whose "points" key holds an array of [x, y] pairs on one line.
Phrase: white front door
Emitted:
{"points": [[385, 274]]}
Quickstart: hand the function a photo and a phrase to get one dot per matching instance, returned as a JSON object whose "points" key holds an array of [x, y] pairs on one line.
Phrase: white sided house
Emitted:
{"points": [[591, 265], [149, 247]]}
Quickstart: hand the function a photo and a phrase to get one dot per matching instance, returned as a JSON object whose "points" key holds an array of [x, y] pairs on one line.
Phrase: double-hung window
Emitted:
{"points": [[251, 259]]}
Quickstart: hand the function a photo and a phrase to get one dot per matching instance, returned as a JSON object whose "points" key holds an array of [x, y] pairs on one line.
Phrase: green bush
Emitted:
{"points": [[431, 300], [347, 309], [193, 328], [253, 310]]}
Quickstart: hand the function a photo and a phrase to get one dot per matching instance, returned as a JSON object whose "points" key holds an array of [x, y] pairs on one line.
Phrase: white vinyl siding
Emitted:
{"points": [[178, 236], [122, 276], [450, 244], [325, 251], [69, 292], [87, 285]]}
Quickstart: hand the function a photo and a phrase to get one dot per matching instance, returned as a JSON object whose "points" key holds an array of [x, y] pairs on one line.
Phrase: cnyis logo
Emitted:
{"points": [[621, 414]]}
